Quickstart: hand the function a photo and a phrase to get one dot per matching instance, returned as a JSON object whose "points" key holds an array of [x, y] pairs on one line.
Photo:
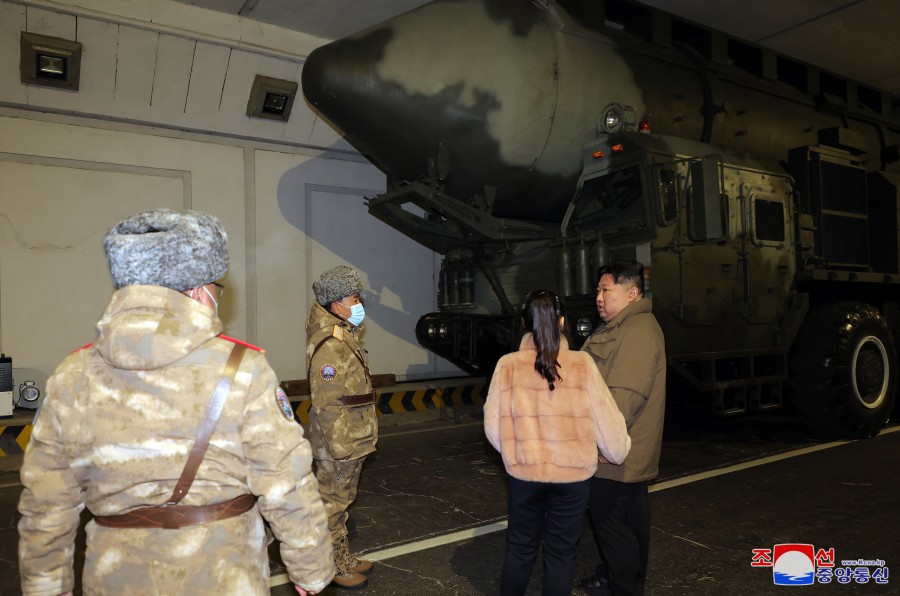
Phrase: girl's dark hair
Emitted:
{"points": [[540, 315]]}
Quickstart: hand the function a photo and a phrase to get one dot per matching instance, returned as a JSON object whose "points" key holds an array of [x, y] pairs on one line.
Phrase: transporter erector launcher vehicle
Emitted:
{"points": [[530, 142]]}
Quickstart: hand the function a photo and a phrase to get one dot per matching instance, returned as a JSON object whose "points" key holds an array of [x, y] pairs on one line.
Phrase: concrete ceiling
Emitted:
{"points": [[857, 39]]}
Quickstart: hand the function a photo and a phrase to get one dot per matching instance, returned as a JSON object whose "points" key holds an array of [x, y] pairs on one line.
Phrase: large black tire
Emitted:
{"points": [[843, 371]]}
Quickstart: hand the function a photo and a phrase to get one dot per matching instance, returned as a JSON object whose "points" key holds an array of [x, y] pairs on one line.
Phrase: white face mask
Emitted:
{"points": [[213, 298], [357, 314]]}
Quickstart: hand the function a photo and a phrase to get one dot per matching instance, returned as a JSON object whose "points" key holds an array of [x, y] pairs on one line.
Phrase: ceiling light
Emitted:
{"points": [[49, 61], [271, 98]]}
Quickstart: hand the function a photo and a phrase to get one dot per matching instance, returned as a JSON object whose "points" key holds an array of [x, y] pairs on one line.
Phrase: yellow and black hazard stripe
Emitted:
{"points": [[424, 399], [14, 439], [418, 400], [468, 395], [301, 410]]}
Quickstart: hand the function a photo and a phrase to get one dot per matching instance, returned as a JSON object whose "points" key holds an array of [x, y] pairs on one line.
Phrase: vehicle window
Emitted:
{"points": [[611, 203], [668, 195], [768, 219]]}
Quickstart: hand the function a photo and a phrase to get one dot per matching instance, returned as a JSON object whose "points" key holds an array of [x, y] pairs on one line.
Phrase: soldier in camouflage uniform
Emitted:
{"points": [[343, 427], [121, 416]]}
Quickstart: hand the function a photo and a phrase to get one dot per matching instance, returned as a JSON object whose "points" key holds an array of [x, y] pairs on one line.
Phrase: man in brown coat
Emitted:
{"points": [[123, 416], [629, 350], [343, 425]]}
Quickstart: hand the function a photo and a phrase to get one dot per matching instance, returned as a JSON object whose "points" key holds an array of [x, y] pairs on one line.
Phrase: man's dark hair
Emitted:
{"points": [[624, 273]]}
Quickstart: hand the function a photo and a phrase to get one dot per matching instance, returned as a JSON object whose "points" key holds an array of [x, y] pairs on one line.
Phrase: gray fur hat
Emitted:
{"points": [[336, 284], [167, 248]]}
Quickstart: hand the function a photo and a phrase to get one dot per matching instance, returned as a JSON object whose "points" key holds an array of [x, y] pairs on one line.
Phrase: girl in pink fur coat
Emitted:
{"points": [[548, 412]]}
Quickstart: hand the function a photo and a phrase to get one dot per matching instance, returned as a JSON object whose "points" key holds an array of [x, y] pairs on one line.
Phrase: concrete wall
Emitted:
{"points": [[159, 120]]}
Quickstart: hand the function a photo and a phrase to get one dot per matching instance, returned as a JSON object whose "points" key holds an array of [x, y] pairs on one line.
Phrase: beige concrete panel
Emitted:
{"points": [[266, 35], [207, 79], [310, 216], [172, 76], [232, 112], [47, 22], [397, 274], [842, 30], [191, 21], [215, 174], [211, 23], [54, 281], [98, 66], [283, 287], [134, 70], [745, 20], [217, 182], [322, 133], [203, 89], [12, 21]]}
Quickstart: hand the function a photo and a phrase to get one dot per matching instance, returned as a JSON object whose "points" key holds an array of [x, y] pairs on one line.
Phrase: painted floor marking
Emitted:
{"points": [[383, 435], [412, 547], [436, 541]]}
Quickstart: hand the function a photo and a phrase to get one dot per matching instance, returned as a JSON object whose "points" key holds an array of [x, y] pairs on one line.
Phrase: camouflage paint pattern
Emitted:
{"points": [[117, 425], [415, 95]]}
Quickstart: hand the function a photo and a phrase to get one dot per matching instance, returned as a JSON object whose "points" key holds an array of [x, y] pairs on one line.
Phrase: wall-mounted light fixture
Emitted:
{"points": [[271, 98], [49, 61]]}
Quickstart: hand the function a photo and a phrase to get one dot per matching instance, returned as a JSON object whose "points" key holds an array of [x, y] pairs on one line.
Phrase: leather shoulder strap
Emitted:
{"points": [[213, 411]]}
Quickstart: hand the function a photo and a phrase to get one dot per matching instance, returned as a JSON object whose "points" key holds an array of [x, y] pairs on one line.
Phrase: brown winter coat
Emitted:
{"points": [[630, 353], [552, 436]]}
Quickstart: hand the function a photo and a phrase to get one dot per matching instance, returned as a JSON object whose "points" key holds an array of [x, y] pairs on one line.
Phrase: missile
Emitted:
{"points": [[491, 102]]}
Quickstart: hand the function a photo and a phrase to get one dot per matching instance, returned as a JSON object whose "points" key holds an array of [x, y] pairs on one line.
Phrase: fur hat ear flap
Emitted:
{"points": [[167, 248]]}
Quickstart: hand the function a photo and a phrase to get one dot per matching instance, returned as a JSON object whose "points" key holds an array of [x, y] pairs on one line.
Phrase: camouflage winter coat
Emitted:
{"points": [[339, 368], [118, 423]]}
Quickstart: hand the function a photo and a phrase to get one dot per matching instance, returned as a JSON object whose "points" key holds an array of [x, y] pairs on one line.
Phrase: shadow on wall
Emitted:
{"points": [[323, 199]]}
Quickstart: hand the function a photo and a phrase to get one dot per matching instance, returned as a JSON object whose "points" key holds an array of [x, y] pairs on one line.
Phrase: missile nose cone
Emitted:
{"points": [[467, 84], [312, 78], [341, 81], [335, 72]]}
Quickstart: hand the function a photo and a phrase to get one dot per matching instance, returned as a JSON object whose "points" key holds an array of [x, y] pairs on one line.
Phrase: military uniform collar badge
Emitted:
{"points": [[284, 404], [338, 332]]}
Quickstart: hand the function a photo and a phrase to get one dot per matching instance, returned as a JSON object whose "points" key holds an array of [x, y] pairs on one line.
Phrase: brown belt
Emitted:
{"points": [[172, 517], [358, 400]]}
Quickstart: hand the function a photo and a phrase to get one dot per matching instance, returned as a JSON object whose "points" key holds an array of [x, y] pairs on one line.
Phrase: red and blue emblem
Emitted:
{"points": [[328, 372], [284, 404]]}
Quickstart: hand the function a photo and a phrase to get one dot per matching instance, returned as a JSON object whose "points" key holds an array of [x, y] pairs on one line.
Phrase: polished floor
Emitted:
{"points": [[432, 509]]}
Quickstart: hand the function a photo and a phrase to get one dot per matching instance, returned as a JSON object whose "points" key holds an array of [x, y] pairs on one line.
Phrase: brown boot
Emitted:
{"points": [[355, 564], [344, 577]]}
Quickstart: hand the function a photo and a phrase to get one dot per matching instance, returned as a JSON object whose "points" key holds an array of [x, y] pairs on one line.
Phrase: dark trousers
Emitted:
{"points": [[554, 510], [620, 513]]}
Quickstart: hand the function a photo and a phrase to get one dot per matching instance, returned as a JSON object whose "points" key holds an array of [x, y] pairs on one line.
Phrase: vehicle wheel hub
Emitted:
{"points": [[870, 376]]}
